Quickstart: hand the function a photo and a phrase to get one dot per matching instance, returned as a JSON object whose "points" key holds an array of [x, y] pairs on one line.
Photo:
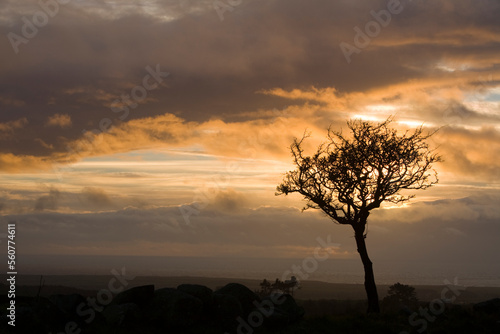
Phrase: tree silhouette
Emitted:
{"points": [[350, 176], [288, 286], [400, 294]]}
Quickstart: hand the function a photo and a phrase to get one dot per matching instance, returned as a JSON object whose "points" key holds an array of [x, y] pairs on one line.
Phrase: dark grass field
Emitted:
{"points": [[88, 285]]}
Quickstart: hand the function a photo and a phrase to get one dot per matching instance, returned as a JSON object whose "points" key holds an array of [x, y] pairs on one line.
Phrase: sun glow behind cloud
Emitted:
{"points": [[218, 130]]}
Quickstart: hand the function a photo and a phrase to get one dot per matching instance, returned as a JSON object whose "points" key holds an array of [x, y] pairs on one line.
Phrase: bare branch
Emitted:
{"points": [[348, 177]]}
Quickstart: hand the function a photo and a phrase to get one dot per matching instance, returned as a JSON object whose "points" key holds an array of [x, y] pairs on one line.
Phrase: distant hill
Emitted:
{"points": [[88, 285]]}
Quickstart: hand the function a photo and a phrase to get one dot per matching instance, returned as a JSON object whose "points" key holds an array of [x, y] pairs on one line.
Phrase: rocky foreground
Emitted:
{"points": [[189, 308], [234, 308]]}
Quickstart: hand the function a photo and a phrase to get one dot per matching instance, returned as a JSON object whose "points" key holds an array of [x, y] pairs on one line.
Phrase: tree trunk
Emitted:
{"points": [[370, 287]]}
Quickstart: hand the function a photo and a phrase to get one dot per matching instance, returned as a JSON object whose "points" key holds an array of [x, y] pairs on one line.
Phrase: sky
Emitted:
{"points": [[162, 128]]}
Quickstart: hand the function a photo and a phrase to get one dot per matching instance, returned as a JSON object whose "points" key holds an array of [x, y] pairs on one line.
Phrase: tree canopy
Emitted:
{"points": [[349, 176]]}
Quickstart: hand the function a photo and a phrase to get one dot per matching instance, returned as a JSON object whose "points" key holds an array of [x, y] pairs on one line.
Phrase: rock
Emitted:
{"points": [[68, 304], [490, 306], [25, 314], [174, 308], [201, 292], [295, 311], [227, 309], [38, 315], [122, 314], [52, 316], [277, 319], [285, 308], [244, 295], [140, 295]]}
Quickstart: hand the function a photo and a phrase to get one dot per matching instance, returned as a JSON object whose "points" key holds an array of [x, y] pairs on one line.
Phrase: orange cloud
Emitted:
{"points": [[328, 96], [257, 139], [470, 154], [60, 120], [266, 134], [11, 163]]}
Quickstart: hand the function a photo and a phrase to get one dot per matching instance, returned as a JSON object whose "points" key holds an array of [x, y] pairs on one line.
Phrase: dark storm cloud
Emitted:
{"points": [[166, 225], [467, 229], [441, 230], [90, 54]]}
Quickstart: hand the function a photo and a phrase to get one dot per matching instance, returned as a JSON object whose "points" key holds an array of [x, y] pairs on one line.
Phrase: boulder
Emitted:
{"points": [[277, 319], [246, 297], [227, 310], [38, 315], [139, 295], [122, 314], [285, 310], [52, 316], [173, 308], [201, 292], [68, 304], [294, 311]]}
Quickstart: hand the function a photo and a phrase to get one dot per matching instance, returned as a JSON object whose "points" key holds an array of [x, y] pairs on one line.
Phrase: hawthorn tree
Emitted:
{"points": [[349, 176]]}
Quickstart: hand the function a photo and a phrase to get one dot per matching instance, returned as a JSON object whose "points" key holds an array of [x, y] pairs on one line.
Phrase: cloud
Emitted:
{"points": [[441, 230], [11, 163], [470, 153], [255, 139], [466, 151], [243, 88], [297, 66], [11, 102], [96, 197], [454, 231], [44, 144], [228, 201], [63, 121], [7, 129], [166, 226], [48, 202], [420, 232]]}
